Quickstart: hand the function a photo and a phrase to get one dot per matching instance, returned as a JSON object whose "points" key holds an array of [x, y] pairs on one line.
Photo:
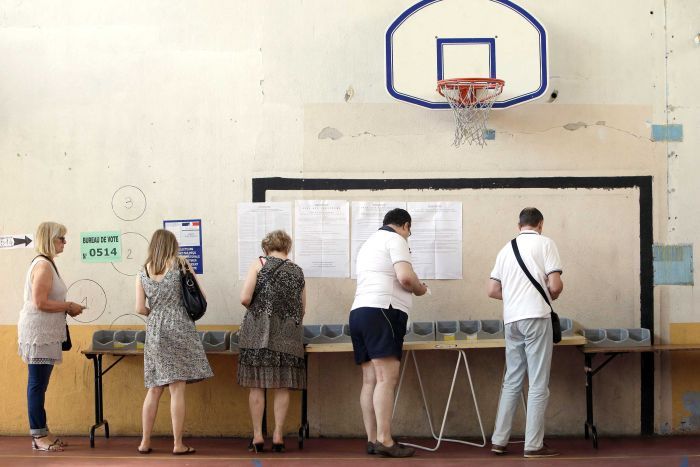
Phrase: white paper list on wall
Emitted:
{"points": [[323, 232], [322, 237], [254, 221], [436, 240]]}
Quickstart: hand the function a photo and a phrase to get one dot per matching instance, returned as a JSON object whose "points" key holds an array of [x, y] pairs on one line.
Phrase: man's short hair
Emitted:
{"points": [[397, 216], [531, 217]]}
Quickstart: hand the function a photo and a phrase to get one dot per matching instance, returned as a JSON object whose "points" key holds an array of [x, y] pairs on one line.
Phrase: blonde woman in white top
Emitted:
{"points": [[42, 328]]}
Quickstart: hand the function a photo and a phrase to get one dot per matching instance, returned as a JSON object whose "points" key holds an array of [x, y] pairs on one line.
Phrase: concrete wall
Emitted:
{"points": [[190, 102]]}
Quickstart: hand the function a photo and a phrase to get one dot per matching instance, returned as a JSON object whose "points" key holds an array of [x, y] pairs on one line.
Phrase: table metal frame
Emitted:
{"points": [[589, 354], [96, 356], [461, 356], [410, 347]]}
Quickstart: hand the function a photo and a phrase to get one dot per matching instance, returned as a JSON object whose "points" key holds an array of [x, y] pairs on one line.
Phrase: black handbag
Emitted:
{"points": [[556, 326], [195, 303], [66, 345]]}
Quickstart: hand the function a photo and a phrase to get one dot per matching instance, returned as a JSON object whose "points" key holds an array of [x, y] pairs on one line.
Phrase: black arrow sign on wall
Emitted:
{"points": [[22, 241]]}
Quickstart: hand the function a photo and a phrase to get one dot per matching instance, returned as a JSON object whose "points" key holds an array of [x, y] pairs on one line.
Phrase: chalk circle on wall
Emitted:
{"points": [[90, 294], [131, 318], [129, 203], [134, 252]]}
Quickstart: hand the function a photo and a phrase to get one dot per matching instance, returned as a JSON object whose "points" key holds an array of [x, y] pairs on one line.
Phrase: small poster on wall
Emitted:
{"points": [[189, 236], [101, 247], [436, 243]]}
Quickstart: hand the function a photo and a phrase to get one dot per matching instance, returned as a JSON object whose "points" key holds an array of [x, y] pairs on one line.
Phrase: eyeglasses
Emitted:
{"points": [[63, 239]]}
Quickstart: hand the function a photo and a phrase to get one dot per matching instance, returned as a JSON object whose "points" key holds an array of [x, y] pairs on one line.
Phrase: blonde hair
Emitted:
{"points": [[162, 249], [277, 240], [46, 233]]}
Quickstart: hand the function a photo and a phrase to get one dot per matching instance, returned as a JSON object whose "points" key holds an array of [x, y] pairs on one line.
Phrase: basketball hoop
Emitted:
{"points": [[471, 100]]}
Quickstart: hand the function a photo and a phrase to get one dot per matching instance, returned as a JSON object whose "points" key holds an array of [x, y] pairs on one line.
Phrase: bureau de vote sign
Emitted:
{"points": [[101, 247]]}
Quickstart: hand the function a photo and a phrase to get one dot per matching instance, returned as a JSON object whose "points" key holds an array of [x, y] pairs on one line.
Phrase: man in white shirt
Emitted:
{"points": [[528, 330], [385, 285]]}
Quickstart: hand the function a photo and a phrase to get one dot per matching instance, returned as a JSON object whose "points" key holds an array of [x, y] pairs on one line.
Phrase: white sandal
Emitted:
{"points": [[53, 447]]}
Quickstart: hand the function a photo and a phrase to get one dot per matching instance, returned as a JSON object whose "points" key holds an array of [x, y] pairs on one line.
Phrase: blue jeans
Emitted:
{"points": [[528, 352], [36, 391]]}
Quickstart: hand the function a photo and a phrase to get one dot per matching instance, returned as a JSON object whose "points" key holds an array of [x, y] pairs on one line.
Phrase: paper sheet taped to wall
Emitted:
{"points": [[436, 240], [255, 220], [322, 237]]}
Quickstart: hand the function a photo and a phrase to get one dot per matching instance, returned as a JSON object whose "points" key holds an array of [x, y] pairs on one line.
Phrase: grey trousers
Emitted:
{"points": [[528, 350]]}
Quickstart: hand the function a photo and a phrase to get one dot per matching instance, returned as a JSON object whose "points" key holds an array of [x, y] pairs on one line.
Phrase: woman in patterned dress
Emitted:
{"points": [[271, 335], [42, 328], [173, 354]]}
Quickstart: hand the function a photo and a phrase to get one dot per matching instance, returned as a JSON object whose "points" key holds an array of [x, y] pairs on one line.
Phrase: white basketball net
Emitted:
{"points": [[471, 100]]}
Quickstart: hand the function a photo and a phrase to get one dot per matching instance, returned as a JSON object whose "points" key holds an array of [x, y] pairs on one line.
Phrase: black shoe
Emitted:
{"points": [[371, 448], [278, 447], [395, 450], [498, 449], [256, 447]]}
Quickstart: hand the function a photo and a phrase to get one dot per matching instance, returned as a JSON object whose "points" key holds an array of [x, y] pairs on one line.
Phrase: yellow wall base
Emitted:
{"points": [[685, 378]]}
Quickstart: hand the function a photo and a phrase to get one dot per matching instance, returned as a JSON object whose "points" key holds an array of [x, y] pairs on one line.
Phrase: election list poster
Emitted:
{"points": [[436, 240], [189, 236], [255, 220], [322, 229]]}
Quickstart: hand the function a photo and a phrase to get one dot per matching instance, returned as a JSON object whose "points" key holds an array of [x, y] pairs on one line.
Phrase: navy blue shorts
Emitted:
{"points": [[377, 333]]}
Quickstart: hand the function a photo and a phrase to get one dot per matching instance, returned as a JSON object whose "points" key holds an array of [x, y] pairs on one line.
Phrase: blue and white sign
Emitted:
{"points": [[189, 236]]}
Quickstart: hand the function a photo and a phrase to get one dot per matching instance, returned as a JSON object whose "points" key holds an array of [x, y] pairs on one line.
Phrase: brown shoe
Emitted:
{"points": [[395, 450], [499, 450], [544, 451]]}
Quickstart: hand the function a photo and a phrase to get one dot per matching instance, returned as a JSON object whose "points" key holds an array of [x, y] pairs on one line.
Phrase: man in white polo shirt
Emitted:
{"points": [[385, 285], [528, 330]]}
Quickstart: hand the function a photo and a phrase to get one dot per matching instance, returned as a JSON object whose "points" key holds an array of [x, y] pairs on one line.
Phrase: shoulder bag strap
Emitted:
{"points": [[269, 278], [50, 261], [537, 285], [272, 273]]}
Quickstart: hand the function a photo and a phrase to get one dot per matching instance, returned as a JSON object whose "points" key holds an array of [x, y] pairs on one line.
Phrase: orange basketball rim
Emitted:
{"points": [[471, 91]]}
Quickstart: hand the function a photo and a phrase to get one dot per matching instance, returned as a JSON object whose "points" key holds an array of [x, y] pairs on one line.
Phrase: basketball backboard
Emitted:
{"points": [[438, 39]]}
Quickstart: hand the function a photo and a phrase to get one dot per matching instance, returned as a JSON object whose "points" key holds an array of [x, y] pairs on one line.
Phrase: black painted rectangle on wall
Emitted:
{"points": [[646, 233]]}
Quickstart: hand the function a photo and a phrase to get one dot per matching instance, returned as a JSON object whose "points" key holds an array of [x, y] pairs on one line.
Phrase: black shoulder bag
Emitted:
{"points": [[269, 279], [195, 303], [66, 345], [556, 327]]}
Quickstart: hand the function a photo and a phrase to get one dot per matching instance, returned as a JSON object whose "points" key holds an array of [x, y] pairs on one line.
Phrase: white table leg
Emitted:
{"points": [[461, 355]]}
